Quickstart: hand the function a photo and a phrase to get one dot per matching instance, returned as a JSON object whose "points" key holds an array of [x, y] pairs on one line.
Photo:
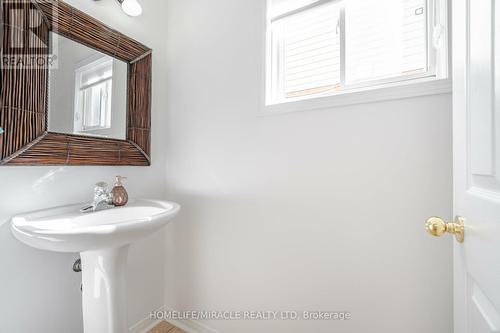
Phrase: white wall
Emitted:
{"points": [[62, 84], [38, 290], [317, 210]]}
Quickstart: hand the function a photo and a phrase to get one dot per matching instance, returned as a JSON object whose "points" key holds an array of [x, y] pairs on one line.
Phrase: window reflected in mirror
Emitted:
{"points": [[87, 91]]}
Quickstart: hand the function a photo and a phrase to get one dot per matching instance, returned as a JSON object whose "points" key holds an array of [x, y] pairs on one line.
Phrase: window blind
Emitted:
{"points": [[311, 50], [385, 38], [320, 46]]}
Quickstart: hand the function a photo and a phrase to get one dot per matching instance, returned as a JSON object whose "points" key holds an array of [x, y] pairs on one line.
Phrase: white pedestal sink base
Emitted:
{"points": [[100, 238], [104, 292]]}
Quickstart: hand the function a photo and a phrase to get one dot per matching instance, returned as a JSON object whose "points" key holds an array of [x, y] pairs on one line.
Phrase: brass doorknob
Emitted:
{"points": [[438, 227]]}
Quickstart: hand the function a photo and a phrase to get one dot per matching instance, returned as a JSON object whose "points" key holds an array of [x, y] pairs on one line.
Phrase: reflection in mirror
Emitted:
{"points": [[87, 91]]}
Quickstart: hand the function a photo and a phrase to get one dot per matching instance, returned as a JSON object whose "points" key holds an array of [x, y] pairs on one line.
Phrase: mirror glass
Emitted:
{"points": [[87, 91]]}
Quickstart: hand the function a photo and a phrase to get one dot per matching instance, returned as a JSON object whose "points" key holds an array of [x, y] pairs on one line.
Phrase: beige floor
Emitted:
{"points": [[165, 327]]}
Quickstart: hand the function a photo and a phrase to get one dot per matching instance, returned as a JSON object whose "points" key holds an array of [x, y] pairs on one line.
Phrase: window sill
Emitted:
{"points": [[369, 95]]}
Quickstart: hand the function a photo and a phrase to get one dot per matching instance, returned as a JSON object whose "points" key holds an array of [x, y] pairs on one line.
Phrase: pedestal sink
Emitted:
{"points": [[103, 239]]}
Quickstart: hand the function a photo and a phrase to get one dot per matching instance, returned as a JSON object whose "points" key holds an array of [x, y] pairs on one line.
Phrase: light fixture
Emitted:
{"points": [[131, 7]]}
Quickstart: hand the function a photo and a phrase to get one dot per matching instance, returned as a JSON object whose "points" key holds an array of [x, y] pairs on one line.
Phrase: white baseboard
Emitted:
{"points": [[146, 324], [190, 326]]}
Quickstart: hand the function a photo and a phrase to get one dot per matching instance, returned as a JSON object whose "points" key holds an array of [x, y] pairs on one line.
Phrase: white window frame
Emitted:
{"points": [[437, 80], [82, 67]]}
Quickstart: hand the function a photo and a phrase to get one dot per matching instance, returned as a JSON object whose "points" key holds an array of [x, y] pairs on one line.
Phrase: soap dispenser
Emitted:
{"points": [[119, 194]]}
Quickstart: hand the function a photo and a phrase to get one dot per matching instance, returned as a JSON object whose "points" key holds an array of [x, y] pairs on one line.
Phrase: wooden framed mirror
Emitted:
{"points": [[74, 91]]}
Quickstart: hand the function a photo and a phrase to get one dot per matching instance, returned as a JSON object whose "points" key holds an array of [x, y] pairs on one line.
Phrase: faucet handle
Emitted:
{"points": [[102, 193], [101, 185], [101, 188]]}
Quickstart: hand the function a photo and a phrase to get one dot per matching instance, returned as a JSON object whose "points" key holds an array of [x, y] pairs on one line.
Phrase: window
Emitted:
{"points": [[326, 47], [93, 95]]}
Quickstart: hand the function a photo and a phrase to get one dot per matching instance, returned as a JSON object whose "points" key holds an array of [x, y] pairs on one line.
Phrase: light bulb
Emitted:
{"points": [[131, 7]]}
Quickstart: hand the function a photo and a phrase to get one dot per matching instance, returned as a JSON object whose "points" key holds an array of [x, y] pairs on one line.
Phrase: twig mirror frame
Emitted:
{"points": [[24, 94]]}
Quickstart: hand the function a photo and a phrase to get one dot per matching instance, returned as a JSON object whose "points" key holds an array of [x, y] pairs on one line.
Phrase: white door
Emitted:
{"points": [[476, 70]]}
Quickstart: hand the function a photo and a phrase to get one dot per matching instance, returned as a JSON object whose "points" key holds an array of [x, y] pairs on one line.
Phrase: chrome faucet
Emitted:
{"points": [[102, 199]]}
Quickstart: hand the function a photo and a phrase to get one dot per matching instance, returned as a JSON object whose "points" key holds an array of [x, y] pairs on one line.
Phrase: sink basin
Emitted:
{"points": [[66, 229], [103, 240]]}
